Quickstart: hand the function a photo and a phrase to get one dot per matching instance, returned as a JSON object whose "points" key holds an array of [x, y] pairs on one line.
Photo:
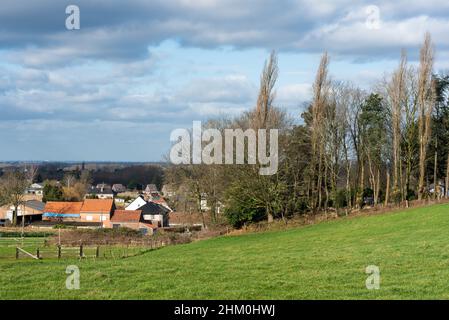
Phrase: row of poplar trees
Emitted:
{"points": [[349, 148]]}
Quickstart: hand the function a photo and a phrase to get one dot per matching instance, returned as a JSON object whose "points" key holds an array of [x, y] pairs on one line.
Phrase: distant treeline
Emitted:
{"points": [[132, 176]]}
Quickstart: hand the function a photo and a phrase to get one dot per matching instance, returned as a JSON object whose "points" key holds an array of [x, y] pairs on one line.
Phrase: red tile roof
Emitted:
{"points": [[126, 216], [97, 205], [63, 207]]}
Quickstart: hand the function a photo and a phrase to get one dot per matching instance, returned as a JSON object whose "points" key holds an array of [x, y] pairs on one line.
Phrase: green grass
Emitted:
{"points": [[323, 261]]}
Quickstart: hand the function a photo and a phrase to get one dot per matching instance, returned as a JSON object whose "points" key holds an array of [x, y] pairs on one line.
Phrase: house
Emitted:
{"points": [[118, 188], [152, 212], [151, 192], [96, 210], [155, 214], [35, 188], [130, 219], [103, 186], [168, 191], [62, 211], [101, 191], [204, 205], [150, 188]]}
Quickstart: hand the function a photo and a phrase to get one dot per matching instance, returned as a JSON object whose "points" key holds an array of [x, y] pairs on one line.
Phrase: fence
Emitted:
{"points": [[59, 252], [46, 248], [84, 251]]}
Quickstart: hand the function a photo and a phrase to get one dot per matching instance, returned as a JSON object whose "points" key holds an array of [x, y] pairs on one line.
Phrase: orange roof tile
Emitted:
{"points": [[126, 216], [63, 207], [97, 205]]}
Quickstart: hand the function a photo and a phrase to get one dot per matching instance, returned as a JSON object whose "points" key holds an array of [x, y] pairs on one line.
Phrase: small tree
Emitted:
{"points": [[12, 191], [52, 192]]}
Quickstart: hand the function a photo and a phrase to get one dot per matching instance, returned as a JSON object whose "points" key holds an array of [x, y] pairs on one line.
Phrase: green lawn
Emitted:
{"points": [[324, 261]]}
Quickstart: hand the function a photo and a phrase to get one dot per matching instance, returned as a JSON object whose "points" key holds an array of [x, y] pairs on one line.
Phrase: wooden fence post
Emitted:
{"points": [[97, 253], [38, 253], [59, 252], [81, 251], [17, 253]]}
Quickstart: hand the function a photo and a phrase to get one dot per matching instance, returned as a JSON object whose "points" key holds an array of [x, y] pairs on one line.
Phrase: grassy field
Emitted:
{"points": [[324, 261]]}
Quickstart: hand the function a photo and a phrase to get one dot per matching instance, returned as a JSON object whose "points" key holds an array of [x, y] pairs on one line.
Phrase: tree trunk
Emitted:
{"points": [[376, 197], [387, 193], [422, 157], [14, 216], [361, 183], [447, 179], [270, 216], [435, 165]]}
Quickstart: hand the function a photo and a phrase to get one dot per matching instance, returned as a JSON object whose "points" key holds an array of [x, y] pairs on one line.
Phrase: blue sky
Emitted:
{"points": [[116, 88]]}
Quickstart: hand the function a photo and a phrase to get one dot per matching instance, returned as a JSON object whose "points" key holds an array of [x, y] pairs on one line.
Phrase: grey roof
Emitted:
{"points": [[35, 204], [94, 190], [153, 208], [118, 187]]}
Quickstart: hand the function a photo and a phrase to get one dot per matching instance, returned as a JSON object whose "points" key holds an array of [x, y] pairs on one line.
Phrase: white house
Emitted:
{"points": [[36, 188]]}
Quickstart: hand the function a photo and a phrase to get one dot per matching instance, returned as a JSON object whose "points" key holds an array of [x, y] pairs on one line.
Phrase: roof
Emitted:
{"points": [[153, 208], [63, 207], [36, 186], [184, 218], [35, 204], [151, 188], [94, 190], [103, 185], [97, 205], [126, 216], [118, 187], [163, 203]]}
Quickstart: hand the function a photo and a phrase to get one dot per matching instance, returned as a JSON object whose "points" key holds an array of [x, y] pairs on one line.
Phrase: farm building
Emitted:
{"points": [[91, 210], [130, 219], [31, 209], [62, 211], [96, 210]]}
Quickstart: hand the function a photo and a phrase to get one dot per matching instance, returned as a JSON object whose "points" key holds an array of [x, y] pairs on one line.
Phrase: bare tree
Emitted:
{"points": [[266, 95], [12, 191], [30, 173], [396, 92], [426, 97], [320, 97]]}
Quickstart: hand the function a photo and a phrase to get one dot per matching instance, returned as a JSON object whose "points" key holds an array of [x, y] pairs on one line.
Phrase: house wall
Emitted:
{"points": [[60, 218], [94, 217], [156, 219], [3, 211], [105, 196], [130, 225]]}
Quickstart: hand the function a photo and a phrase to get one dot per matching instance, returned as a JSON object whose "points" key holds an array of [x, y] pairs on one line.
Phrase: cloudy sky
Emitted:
{"points": [[135, 70]]}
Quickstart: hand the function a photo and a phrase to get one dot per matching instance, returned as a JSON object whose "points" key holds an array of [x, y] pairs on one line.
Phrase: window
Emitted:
{"points": [[89, 218]]}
